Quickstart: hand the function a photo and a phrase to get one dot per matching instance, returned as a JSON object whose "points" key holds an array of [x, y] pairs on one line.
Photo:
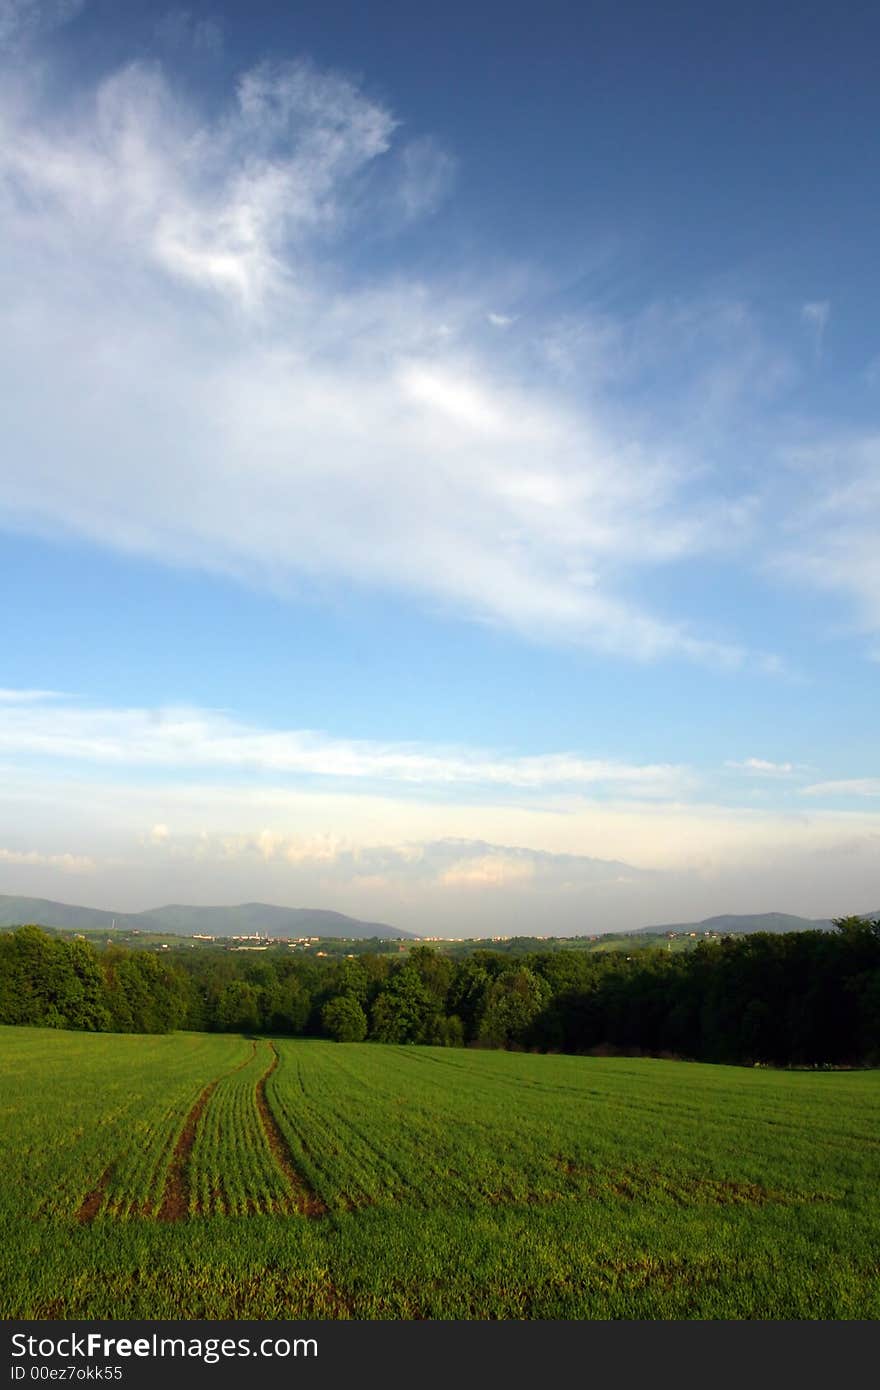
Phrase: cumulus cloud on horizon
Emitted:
{"points": [[35, 859], [452, 862]]}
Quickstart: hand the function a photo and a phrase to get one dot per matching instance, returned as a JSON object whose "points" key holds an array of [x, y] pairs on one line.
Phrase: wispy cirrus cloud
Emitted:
{"points": [[309, 422], [193, 738], [851, 786], [21, 21], [815, 315], [27, 697], [179, 28], [829, 535], [303, 424], [763, 766]]}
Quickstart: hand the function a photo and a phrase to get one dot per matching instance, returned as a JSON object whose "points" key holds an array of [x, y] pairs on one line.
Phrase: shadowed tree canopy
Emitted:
{"points": [[798, 998]]}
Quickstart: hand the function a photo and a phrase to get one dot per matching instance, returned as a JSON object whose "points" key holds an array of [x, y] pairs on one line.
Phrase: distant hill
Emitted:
{"points": [[242, 920], [15, 912], [247, 918], [762, 921]]}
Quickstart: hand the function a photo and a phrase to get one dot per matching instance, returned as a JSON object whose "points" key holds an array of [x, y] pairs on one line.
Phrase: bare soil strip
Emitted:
{"points": [[175, 1198], [94, 1200], [176, 1192], [308, 1202]]}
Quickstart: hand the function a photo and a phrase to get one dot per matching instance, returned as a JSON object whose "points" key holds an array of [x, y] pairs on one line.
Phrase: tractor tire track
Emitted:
{"points": [[93, 1201], [175, 1198], [308, 1203], [176, 1195]]}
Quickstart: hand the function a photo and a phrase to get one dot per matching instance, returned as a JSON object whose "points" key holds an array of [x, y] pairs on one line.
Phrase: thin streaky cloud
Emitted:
{"points": [[854, 786], [68, 863], [762, 765], [179, 29], [193, 738], [815, 315], [25, 697], [829, 534], [24, 20]]}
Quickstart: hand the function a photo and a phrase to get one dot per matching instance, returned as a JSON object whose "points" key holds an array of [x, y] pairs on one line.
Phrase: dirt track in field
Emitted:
{"points": [[308, 1202], [94, 1200], [176, 1193], [175, 1198]]}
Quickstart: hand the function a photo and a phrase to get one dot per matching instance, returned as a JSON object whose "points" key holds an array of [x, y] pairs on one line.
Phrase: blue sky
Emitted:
{"points": [[441, 469]]}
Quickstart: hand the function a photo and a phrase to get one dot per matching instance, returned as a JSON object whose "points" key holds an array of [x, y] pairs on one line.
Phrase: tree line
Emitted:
{"points": [[798, 998]]}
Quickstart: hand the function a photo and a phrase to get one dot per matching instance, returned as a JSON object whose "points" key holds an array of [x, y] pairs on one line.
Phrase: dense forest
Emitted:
{"points": [[795, 999]]}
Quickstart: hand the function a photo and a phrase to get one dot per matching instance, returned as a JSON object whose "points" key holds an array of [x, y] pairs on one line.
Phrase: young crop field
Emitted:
{"points": [[213, 1176]]}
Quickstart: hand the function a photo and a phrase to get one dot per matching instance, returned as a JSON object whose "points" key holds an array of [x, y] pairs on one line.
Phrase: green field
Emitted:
{"points": [[198, 1175]]}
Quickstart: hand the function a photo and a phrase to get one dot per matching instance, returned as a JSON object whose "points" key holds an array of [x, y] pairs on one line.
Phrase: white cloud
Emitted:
{"points": [[297, 426], [762, 765], [501, 320], [178, 28], [593, 864], [23, 20], [854, 786], [490, 871], [387, 859], [194, 738], [829, 538], [444, 863], [67, 863], [24, 697], [425, 178], [871, 372], [477, 865], [815, 316]]}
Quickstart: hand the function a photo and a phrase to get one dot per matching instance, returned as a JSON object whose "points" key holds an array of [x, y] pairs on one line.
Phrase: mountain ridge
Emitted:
{"points": [[246, 919], [181, 918], [746, 923]]}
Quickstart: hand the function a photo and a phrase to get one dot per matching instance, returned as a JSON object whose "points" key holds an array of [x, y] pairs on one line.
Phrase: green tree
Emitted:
{"points": [[238, 1008], [350, 977], [404, 1010], [292, 1005], [51, 982], [856, 928], [467, 995], [445, 1031], [343, 1019], [512, 1005], [87, 1006]]}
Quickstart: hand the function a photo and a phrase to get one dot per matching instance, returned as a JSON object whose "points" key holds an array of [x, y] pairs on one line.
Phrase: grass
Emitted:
{"points": [[316, 1180]]}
